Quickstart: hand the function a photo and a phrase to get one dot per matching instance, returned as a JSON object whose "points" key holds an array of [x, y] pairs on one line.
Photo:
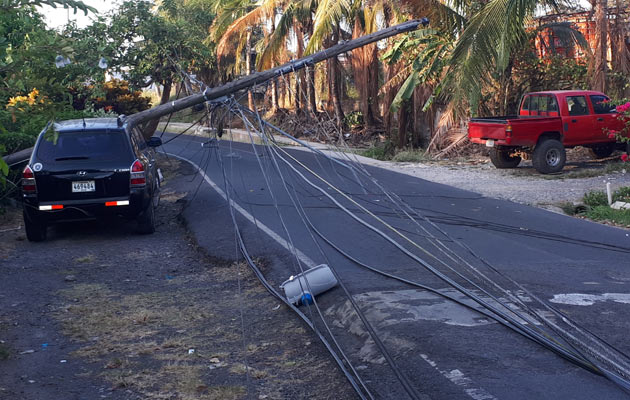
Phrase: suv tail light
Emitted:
{"points": [[28, 181], [137, 178]]}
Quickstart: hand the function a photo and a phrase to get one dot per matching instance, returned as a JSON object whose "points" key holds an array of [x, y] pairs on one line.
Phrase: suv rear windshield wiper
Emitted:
{"points": [[72, 158]]}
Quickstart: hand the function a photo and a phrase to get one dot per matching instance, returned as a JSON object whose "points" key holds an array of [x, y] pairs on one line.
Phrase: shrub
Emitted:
{"points": [[622, 194], [409, 156], [383, 152], [353, 119], [119, 98], [595, 198], [16, 141]]}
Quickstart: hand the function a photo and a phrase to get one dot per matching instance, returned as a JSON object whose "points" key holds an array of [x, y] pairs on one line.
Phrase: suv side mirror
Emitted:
{"points": [[154, 141]]}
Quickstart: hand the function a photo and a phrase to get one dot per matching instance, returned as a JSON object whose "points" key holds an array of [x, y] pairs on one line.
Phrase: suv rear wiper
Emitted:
{"points": [[72, 158]]}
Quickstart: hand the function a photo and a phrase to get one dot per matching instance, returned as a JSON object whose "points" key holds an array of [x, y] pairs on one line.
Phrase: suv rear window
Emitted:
{"points": [[84, 145]]}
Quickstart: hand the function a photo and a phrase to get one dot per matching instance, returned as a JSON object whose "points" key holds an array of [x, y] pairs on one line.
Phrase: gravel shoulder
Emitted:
{"points": [[520, 185], [98, 311]]}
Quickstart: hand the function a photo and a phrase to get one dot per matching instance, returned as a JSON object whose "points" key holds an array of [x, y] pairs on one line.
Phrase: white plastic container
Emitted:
{"points": [[303, 287]]}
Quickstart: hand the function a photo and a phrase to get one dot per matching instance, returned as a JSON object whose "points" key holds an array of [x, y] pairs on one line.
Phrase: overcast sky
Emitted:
{"points": [[57, 17]]}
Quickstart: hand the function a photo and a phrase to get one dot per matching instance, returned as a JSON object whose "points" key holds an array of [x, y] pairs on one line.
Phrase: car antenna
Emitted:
{"points": [[83, 122]]}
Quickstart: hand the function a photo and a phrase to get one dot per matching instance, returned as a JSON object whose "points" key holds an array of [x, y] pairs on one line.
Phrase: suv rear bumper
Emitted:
{"points": [[128, 207]]}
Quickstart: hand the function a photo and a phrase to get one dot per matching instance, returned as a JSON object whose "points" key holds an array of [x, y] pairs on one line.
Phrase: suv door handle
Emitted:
{"points": [[574, 120], [600, 119]]}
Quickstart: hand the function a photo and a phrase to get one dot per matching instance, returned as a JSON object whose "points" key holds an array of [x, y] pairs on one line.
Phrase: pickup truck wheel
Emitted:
{"points": [[35, 229], [602, 150], [549, 156], [503, 159]]}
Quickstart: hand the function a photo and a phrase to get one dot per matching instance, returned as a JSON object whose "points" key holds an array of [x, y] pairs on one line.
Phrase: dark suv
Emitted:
{"points": [[89, 168]]}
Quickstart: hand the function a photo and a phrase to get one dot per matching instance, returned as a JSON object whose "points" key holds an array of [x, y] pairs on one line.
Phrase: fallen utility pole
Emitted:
{"points": [[264, 76]]}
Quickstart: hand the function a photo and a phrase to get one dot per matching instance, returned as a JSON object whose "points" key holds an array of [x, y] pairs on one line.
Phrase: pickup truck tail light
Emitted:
{"points": [[508, 130], [137, 177], [28, 181]]}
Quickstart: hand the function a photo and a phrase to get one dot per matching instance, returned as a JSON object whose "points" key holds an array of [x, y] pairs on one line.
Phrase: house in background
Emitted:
{"points": [[550, 42]]}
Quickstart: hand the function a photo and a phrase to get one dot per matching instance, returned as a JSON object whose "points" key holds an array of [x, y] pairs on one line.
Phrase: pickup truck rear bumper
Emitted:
{"points": [[489, 142]]}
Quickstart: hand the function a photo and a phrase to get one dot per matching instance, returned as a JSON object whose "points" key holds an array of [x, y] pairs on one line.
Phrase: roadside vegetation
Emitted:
{"points": [[413, 94], [595, 206]]}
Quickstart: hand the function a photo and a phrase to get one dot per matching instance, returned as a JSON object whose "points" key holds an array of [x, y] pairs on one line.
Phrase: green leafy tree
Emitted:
{"points": [[158, 47]]}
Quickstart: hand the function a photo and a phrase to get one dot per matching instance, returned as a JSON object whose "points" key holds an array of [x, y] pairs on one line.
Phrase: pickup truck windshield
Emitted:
{"points": [[601, 104], [82, 145]]}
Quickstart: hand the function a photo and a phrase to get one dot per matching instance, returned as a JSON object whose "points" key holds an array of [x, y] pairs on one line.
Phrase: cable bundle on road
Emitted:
{"points": [[418, 237]]}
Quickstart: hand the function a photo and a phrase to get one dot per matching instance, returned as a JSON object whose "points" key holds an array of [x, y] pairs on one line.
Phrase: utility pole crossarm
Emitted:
{"points": [[263, 76]]}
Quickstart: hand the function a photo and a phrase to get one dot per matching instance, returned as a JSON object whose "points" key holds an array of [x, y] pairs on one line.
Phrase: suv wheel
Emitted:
{"points": [[602, 150], [146, 220], [35, 229], [549, 156], [502, 158]]}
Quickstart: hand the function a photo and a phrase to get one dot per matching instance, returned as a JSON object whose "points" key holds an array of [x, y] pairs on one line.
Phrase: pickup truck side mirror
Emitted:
{"points": [[154, 141]]}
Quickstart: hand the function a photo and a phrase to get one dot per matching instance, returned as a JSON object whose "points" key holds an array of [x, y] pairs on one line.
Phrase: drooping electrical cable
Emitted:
{"points": [[614, 364]]}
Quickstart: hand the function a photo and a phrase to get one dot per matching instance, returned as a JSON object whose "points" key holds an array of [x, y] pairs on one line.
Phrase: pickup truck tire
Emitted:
{"points": [[502, 158], [549, 156], [602, 150]]}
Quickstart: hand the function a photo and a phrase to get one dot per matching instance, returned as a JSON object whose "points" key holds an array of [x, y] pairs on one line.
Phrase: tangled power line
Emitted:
{"points": [[446, 260]]}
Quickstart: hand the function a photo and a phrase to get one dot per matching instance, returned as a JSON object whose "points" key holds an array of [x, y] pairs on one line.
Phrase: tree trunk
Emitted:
{"points": [[151, 126], [310, 90], [403, 118], [274, 96], [598, 81], [274, 82], [363, 67], [335, 83], [248, 65], [388, 98], [301, 77], [621, 55]]}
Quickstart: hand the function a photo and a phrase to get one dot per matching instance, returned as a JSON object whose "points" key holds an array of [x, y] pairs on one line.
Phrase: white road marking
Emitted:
{"points": [[457, 377], [281, 241], [580, 299]]}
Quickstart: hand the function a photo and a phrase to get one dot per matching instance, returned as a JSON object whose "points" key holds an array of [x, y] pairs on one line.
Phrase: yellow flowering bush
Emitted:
{"points": [[30, 99]]}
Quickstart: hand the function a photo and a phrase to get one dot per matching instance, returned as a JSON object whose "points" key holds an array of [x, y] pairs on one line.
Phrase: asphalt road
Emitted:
{"points": [[445, 350]]}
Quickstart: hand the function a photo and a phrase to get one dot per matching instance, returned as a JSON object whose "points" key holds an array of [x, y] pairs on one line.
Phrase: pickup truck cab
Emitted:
{"points": [[547, 123]]}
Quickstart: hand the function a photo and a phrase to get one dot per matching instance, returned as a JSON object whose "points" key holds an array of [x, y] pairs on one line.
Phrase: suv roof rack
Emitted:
{"points": [[121, 119]]}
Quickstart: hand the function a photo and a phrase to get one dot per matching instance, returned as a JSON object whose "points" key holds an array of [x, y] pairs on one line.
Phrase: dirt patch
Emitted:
{"points": [[98, 311]]}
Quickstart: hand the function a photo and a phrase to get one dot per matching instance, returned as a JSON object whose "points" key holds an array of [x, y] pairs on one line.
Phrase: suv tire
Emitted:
{"points": [[602, 150], [549, 156], [35, 230], [501, 158], [146, 220]]}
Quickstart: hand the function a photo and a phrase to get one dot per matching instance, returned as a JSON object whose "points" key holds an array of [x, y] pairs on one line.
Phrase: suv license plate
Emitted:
{"points": [[490, 143], [83, 186]]}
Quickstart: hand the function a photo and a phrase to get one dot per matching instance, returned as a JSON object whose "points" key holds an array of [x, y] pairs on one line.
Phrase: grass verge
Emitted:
{"points": [[596, 208], [608, 215]]}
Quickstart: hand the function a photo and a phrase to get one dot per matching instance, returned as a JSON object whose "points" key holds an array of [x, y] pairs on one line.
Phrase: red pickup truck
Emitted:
{"points": [[547, 123]]}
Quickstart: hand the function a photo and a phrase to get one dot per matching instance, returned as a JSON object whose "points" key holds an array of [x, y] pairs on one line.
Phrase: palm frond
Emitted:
{"points": [[277, 40], [396, 80], [227, 41], [328, 14]]}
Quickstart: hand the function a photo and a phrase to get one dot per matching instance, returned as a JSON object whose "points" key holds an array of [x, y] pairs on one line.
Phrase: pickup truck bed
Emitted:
{"points": [[494, 128]]}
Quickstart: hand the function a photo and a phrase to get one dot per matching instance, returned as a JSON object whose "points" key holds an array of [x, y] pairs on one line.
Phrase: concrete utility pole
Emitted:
{"points": [[264, 76]]}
